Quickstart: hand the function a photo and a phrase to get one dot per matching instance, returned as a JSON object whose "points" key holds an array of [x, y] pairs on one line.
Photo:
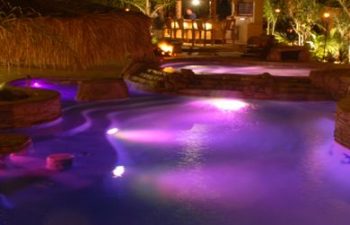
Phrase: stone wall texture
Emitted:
{"points": [[41, 106], [342, 122], [94, 90], [336, 82], [288, 53], [262, 86], [14, 143]]}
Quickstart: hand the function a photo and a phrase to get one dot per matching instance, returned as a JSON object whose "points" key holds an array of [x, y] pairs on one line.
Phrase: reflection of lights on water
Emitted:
{"points": [[112, 131], [229, 104], [146, 136], [118, 171]]}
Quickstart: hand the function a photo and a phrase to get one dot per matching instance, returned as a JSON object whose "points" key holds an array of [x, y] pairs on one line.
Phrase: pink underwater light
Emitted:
{"points": [[112, 131], [228, 104], [36, 85]]}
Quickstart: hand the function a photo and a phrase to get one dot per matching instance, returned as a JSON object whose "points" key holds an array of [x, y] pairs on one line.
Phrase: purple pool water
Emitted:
{"points": [[242, 68], [174, 160]]}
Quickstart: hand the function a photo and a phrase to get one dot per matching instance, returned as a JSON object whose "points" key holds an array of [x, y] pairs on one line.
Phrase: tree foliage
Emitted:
{"points": [[271, 15], [304, 15]]}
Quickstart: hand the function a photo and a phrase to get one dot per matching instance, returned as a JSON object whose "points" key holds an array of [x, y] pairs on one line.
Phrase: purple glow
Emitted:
{"points": [[67, 91], [275, 70], [112, 131], [228, 104], [36, 85], [118, 171], [212, 184], [187, 157], [147, 136], [221, 104]]}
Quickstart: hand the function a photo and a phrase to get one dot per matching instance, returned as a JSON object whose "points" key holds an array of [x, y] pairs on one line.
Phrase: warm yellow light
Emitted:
{"points": [[277, 10], [169, 69], [174, 25], [127, 9], [208, 26], [187, 25], [196, 2], [326, 15], [166, 47]]}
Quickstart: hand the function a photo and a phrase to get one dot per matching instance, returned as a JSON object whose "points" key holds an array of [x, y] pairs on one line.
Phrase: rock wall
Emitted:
{"points": [[262, 86], [288, 53], [342, 122], [14, 143], [336, 82], [93, 90], [41, 106]]}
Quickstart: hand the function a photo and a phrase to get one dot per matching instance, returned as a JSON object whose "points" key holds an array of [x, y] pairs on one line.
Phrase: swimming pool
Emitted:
{"points": [[176, 160]]}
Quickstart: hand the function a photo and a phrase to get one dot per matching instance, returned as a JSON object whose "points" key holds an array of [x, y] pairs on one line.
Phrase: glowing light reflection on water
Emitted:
{"points": [[192, 163]]}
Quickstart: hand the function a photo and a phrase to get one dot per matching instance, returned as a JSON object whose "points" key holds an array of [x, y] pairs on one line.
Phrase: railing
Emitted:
{"points": [[200, 30]]}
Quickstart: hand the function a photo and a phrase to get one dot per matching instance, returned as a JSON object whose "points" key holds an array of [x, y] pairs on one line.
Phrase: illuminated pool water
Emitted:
{"points": [[173, 160], [241, 68]]}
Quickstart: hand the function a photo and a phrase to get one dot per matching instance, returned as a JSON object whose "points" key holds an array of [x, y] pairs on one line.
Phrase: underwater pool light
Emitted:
{"points": [[229, 104], [112, 131], [36, 85], [118, 171]]}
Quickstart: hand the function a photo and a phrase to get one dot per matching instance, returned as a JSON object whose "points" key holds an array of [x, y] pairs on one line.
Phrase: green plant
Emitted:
{"points": [[326, 47], [272, 10], [303, 14], [284, 38]]}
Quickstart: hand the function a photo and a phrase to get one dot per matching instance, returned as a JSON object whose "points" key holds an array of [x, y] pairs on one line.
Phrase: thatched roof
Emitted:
{"points": [[55, 7], [80, 40]]}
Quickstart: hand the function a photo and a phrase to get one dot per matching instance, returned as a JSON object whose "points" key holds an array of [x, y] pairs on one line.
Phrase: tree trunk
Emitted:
{"points": [[148, 8], [268, 28], [273, 27]]}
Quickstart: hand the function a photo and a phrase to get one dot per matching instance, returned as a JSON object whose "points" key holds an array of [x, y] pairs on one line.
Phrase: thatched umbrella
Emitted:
{"points": [[70, 34]]}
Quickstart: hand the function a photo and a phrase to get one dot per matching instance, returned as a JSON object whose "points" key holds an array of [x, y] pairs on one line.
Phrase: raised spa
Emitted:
{"points": [[216, 67]]}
